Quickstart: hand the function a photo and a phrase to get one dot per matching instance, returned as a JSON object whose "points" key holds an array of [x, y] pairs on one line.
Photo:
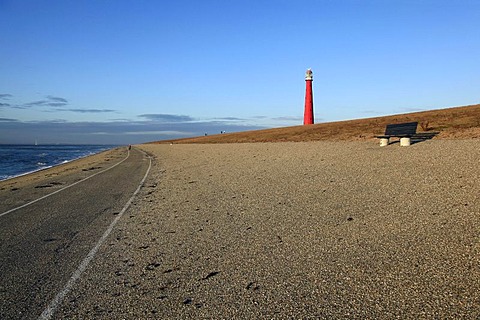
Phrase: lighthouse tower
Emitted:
{"points": [[308, 114]]}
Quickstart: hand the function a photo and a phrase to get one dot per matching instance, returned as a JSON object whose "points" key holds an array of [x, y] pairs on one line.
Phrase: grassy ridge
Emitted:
{"points": [[451, 123]]}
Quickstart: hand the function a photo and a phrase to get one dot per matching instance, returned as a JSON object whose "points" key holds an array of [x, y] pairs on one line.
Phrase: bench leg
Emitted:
{"points": [[383, 142], [404, 142]]}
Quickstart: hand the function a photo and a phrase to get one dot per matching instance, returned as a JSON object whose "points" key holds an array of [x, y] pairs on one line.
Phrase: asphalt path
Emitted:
{"points": [[43, 243]]}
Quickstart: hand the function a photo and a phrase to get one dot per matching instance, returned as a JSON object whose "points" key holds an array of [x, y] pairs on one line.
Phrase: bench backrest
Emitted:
{"points": [[401, 128]]}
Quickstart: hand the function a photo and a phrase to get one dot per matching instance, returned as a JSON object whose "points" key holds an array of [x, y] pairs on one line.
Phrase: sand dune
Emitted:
{"points": [[450, 123]]}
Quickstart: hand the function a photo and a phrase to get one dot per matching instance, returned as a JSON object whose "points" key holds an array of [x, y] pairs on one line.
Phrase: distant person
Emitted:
{"points": [[129, 147]]}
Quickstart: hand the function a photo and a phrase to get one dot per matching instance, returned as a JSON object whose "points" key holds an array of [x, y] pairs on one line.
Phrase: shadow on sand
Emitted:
{"points": [[417, 138]]}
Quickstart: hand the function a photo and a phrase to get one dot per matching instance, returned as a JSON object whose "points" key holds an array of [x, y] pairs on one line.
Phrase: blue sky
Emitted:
{"points": [[134, 71]]}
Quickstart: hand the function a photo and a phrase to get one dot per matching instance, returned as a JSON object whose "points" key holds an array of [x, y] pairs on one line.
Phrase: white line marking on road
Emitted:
{"points": [[71, 185], [55, 303]]}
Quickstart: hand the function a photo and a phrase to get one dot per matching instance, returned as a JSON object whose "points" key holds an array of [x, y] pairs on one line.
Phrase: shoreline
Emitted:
{"points": [[46, 167], [38, 183], [65, 162]]}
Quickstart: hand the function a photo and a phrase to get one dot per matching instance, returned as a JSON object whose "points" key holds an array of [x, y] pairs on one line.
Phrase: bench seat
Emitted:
{"points": [[404, 131]]}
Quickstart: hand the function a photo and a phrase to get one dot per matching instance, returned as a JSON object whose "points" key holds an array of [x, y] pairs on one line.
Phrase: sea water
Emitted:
{"points": [[16, 160]]}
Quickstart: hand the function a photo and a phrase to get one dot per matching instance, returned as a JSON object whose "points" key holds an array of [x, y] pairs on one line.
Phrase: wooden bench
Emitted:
{"points": [[404, 131]]}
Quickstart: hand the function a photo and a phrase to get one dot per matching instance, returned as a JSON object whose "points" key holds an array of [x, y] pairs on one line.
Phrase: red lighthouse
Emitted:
{"points": [[308, 114]]}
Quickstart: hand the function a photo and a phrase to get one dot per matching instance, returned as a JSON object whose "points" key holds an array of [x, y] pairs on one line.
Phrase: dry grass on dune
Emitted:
{"points": [[451, 123]]}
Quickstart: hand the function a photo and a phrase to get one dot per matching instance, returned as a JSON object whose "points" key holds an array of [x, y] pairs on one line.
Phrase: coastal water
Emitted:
{"points": [[16, 160]]}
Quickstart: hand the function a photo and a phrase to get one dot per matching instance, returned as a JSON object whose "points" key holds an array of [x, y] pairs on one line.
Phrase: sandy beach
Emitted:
{"points": [[294, 230]]}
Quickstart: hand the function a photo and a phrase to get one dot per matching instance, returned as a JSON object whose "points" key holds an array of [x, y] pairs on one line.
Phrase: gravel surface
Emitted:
{"points": [[328, 230]]}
